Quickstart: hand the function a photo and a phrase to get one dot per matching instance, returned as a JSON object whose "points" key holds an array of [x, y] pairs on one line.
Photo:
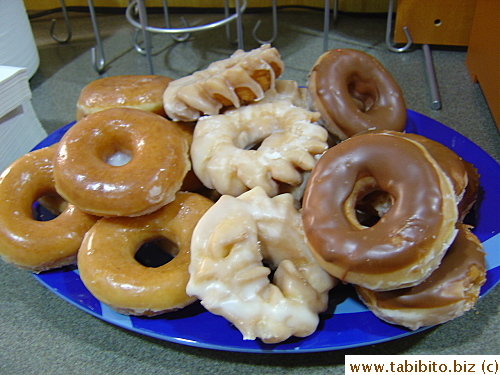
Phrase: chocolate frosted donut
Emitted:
{"points": [[354, 92], [408, 242], [447, 293]]}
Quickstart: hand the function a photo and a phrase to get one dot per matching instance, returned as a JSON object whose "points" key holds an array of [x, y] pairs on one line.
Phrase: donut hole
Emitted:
{"points": [[119, 158], [254, 145], [367, 203], [246, 141], [156, 252], [116, 152], [363, 94], [370, 208], [48, 206]]}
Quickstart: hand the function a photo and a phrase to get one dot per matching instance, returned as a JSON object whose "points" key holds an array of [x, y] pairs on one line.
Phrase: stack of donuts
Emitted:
{"points": [[264, 194]]}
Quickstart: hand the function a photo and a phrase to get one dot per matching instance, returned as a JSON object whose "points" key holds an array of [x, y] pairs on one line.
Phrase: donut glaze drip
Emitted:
{"points": [[242, 78], [354, 92], [463, 260], [408, 230]]}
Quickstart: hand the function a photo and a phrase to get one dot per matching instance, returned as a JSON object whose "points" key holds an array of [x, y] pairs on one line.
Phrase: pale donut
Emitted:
{"points": [[228, 247], [159, 161], [240, 79], [111, 273], [447, 293], [408, 242], [144, 92], [287, 138], [286, 90], [24, 241]]}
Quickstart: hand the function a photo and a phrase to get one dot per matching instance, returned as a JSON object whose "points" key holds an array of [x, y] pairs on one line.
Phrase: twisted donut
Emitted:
{"points": [[228, 247], [240, 79], [263, 144]]}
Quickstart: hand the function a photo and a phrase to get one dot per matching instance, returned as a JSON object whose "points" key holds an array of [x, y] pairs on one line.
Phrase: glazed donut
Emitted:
{"points": [[354, 92], [24, 241], [225, 156], [452, 289], [144, 92], [240, 79], [110, 271], [86, 172], [408, 242], [471, 191], [449, 161], [227, 272], [191, 182], [286, 90], [454, 167]]}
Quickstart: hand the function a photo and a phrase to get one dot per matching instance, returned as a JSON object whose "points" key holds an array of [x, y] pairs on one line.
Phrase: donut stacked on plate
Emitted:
{"points": [[265, 194], [382, 211]]}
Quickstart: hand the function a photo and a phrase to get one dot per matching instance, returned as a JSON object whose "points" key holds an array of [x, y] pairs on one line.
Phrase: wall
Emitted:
{"points": [[344, 5]]}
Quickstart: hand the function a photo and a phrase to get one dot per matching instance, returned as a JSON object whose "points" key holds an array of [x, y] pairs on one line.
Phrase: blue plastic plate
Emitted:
{"points": [[346, 324]]}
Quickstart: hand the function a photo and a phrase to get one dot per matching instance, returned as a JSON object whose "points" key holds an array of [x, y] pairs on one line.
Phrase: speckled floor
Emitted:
{"points": [[66, 68]]}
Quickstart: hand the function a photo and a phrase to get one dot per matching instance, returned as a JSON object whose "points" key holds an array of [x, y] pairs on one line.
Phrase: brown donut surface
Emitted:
{"points": [[448, 292], [407, 243], [354, 92]]}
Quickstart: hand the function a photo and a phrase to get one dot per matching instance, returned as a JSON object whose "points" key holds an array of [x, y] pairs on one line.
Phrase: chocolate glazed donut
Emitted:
{"points": [[354, 92], [408, 242]]}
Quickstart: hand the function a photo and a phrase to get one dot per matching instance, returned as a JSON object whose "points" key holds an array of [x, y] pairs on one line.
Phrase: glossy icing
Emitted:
{"points": [[423, 212], [159, 161], [463, 264], [25, 241], [230, 244], [354, 92], [242, 78], [109, 270], [143, 92]]}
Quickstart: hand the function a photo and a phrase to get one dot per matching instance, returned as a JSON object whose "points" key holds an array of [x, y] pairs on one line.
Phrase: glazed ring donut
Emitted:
{"points": [[242, 78], [408, 242], [471, 191], [228, 247], [24, 241], [354, 92], [452, 289], [262, 144], [110, 271], [449, 161], [454, 167], [159, 160], [144, 92]]}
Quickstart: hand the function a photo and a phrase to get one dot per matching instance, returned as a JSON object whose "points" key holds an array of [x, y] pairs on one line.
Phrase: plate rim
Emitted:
{"points": [[413, 124]]}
